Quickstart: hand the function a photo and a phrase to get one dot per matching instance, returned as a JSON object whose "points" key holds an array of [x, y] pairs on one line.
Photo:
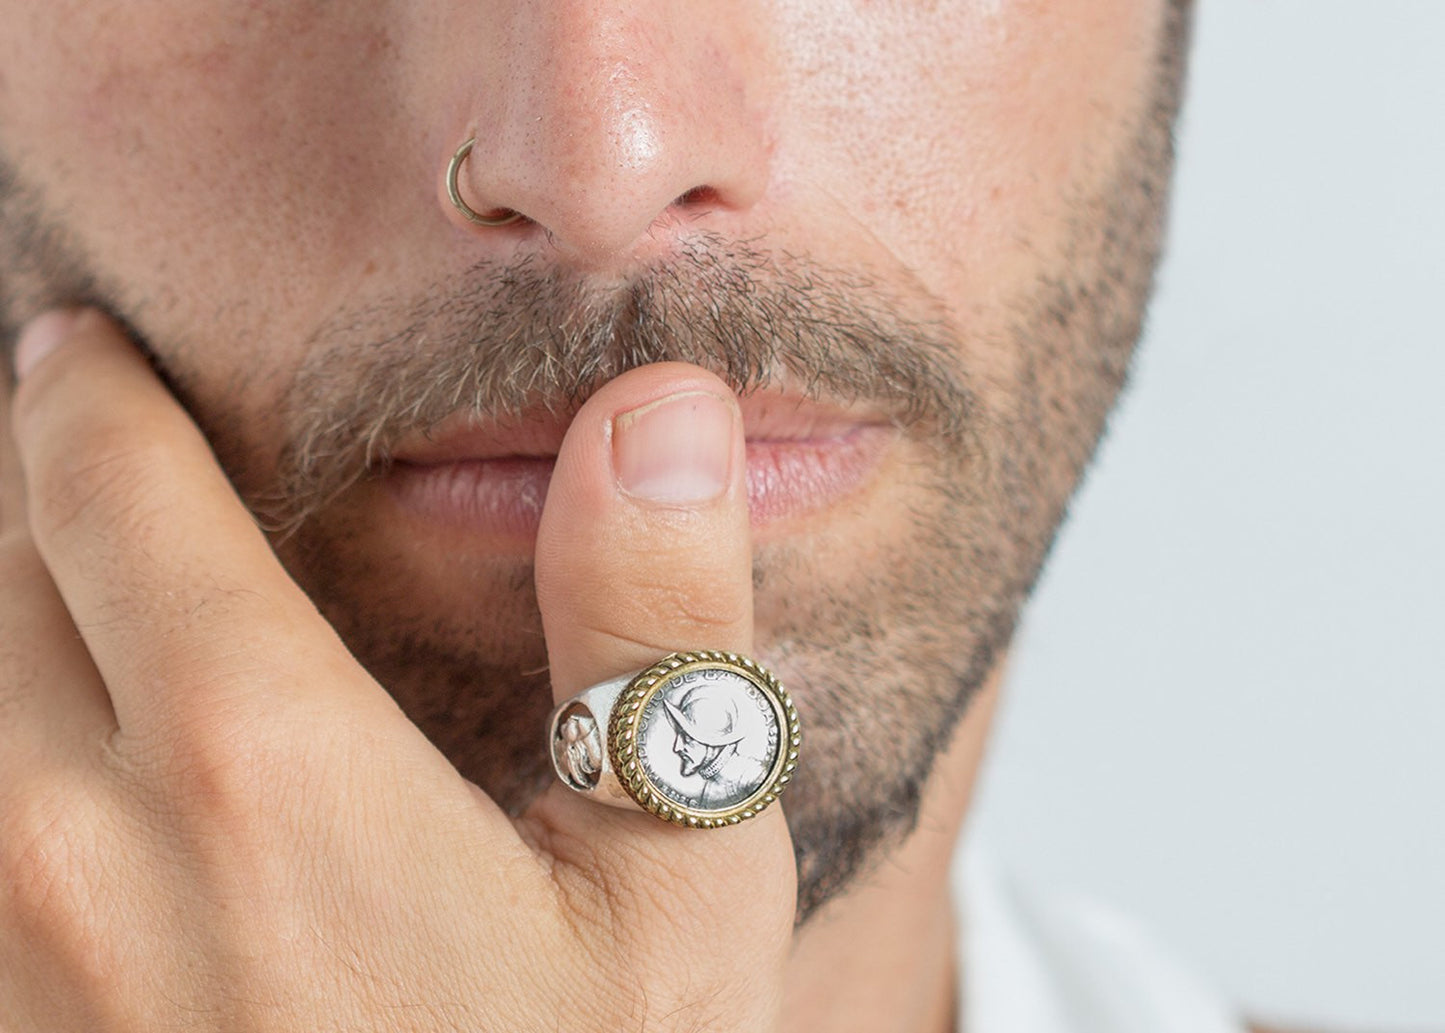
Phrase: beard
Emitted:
{"points": [[882, 643], [880, 657]]}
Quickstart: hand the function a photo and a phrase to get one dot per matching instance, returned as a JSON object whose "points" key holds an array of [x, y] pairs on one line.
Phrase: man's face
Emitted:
{"points": [[692, 753], [935, 222]]}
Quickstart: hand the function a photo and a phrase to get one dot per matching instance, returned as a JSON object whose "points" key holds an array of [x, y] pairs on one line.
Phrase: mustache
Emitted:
{"points": [[519, 339]]}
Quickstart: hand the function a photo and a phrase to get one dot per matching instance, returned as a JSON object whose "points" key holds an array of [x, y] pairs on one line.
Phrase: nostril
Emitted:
{"points": [[502, 216], [697, 197]]}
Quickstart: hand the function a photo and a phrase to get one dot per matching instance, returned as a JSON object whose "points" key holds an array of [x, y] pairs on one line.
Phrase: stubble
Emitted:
{"points": [[882, 657]]}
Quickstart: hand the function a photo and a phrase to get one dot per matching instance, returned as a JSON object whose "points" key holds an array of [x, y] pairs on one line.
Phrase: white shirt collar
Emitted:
{"points": [[1047, 963]]}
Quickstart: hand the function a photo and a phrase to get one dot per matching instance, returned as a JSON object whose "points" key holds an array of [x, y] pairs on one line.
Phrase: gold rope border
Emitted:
{"points": [[622, 732]]}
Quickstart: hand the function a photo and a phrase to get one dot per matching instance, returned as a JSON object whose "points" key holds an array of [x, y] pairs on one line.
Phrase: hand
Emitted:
{"points": [[212, 818]]}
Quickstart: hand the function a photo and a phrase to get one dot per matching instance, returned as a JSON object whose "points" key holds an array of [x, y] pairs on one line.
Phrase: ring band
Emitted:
{"points": [[701, 739], [454, 168]]}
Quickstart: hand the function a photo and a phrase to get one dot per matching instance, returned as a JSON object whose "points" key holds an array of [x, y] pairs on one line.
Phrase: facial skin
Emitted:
{"points": [[938, 220]]}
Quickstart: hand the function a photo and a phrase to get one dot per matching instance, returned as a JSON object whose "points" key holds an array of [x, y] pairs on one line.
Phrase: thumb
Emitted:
{"points": [[644, 546], [644, 549]]}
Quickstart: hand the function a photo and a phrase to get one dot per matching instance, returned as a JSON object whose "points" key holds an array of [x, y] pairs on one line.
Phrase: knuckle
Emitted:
{"points": [[108, 480], [230, 769], [47, 843], [640, 647], [206, 763], [60, 883], [686, 605]]}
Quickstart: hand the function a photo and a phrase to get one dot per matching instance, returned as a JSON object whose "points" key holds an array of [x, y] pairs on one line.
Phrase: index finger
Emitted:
{"points": [[179, 599]]}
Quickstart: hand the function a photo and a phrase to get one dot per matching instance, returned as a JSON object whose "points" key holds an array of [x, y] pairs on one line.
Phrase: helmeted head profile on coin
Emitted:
{"points": [[705, 738], [726, 738]]}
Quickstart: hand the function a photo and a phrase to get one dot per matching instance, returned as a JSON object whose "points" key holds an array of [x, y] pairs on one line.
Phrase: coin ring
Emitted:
{"points": [[702, 739]]}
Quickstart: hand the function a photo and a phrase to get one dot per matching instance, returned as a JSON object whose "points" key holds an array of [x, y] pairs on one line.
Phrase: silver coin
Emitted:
{"points": [[702, 739], [709, 739]]}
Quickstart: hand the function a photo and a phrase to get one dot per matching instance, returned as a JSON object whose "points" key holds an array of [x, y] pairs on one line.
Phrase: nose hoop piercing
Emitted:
{"points": [[454, 192]]}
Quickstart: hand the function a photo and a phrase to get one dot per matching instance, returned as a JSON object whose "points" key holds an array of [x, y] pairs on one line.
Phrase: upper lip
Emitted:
{"points": [[767, 417]]}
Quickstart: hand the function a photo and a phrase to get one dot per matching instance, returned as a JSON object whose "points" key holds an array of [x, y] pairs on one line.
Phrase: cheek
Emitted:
{"points": [[964, 139], [210, 161], [1057, 103], [194, 148], [960, 132]]}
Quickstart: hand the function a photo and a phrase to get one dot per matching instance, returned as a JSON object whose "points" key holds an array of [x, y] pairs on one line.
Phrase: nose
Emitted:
{"points": [[605, 122]]}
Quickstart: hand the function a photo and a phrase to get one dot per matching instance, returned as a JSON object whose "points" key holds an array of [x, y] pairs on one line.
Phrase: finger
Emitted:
{"points": [[53, 707], [180, 601], [644, 548]]}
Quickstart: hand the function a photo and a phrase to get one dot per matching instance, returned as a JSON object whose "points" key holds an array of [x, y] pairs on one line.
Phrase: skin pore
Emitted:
{"points": [[941, 219]]}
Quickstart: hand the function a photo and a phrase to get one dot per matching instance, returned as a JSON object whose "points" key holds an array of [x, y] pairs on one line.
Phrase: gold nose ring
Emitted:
{"points": [[454, 192]]}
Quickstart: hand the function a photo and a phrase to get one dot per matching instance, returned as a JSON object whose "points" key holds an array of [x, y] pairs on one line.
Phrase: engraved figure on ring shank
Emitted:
{"points": [[577, 749]]}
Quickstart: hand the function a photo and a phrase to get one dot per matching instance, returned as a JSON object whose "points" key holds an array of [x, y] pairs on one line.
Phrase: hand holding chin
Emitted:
{"points": [[212, 817]]}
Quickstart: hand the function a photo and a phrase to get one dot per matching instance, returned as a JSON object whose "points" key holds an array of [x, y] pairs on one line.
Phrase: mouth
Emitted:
{"points": [[490, 480]]}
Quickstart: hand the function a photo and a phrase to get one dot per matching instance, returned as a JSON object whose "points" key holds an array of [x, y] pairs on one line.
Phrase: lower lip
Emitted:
{"points": [[502, 498]]}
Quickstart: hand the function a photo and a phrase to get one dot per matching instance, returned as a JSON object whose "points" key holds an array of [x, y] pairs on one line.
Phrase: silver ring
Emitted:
{"points": [[454, 192], [701, 739]]}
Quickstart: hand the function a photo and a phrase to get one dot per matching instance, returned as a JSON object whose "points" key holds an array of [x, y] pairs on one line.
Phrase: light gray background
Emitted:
{"points": [[1227, 714]]}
